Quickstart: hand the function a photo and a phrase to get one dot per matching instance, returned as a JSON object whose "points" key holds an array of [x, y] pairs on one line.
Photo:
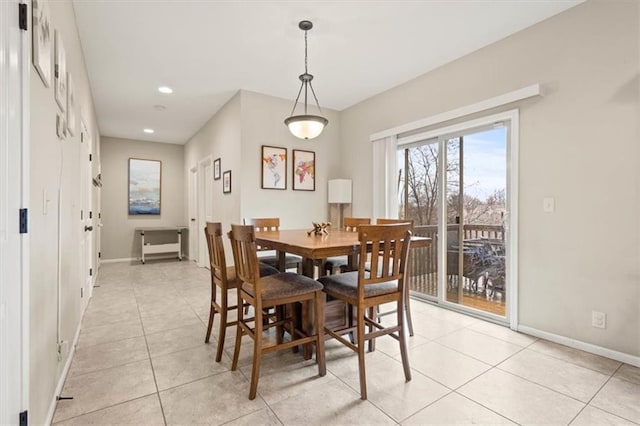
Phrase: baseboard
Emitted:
{"points": [[124, 259], [583, 346], [65, 371]]}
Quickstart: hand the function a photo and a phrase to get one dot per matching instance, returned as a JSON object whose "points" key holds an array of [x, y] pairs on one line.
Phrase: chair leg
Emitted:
{"points": [[373, 315], [212, 312], [361, 353], [403, 342], [407, 308], [257, 355], [236, 350], [224, 303], [318, 303]]}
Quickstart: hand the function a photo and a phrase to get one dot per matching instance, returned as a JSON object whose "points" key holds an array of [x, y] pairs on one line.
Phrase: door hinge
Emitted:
{"points": [[90, 215], [22, 16], [24, 225], [99, 215], [24, 418], [81, 214], [90, 272], [81, 292], [90, 157], [99, 255]]}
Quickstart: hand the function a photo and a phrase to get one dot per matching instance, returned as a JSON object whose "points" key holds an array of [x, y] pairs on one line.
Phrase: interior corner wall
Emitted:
{"points": [[263, 124], [119, 239], [578, 143], [219, 138], [55, 165]]}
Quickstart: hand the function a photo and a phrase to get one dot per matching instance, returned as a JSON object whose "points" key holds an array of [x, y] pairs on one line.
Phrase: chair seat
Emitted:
{"points": [[265, 271], [346, 284], [284, 284]]}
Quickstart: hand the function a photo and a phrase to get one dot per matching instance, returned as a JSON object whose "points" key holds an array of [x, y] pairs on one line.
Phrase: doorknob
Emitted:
{"points": [[88, 228]]}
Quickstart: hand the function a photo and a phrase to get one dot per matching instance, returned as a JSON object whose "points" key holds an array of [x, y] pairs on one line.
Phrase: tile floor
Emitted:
{"points": [[140, 359]]}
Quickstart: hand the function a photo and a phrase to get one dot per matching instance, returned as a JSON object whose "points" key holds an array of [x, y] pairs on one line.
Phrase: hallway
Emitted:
{"points": [[140, 359]]}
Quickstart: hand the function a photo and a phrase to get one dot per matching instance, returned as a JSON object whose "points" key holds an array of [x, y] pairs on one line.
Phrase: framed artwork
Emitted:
{"points": [[71, 106], [304, 170], [41, 40], [216, 169], [60, 73], [274, 167], [226, 182], [145, 179]]}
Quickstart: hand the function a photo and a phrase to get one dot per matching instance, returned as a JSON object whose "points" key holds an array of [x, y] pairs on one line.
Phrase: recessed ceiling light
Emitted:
{"points": [[165, 89], [148, 130]]}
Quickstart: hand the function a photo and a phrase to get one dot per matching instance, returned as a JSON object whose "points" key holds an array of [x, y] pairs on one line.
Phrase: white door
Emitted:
{"points": [[205, 206], [14, 195], [193, 214], [86, 217]]}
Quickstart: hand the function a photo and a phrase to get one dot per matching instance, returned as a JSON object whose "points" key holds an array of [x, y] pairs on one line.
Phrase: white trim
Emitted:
{"points": [[65, 371], [496, 101], [123, 259], [583, 346], [512, 220]]}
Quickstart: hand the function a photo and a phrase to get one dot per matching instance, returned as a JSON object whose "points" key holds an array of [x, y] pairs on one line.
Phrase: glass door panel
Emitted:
{"points": [[418, 200], [476, 205]]}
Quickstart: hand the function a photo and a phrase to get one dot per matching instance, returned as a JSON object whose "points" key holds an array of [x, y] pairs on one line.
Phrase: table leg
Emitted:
{"points": [[180, 245], [142, 246]]}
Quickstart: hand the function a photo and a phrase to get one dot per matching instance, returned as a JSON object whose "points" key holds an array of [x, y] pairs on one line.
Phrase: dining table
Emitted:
{"points": [[314, 249]]}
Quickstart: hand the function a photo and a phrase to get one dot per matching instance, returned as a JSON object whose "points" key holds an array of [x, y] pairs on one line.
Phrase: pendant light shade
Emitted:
{"points": [[306, 126]]}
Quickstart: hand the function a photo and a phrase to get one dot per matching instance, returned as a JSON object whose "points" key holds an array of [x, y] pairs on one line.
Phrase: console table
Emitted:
{"points": [[175, 247]]}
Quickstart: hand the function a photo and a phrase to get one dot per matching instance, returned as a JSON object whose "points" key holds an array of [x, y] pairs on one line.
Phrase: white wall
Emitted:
{"points": [[119, 239], [263, 124], [55, 164], [578, 143], [235, 134]]}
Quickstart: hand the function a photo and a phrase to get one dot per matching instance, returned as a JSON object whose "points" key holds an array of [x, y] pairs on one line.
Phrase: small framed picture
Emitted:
{"points": [[226, 182], [60, 73], [216, 169], [304, 170], [274, 167], [42, 40]]}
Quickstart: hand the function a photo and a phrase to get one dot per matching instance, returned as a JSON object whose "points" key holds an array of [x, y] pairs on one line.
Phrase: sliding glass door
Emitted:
{"points": [[454, 187]]}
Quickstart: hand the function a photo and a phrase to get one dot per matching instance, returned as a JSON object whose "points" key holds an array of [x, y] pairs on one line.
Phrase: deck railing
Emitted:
{"points": [[424, 260]]}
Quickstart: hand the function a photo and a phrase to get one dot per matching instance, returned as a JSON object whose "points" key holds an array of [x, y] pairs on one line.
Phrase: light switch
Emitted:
{"points": [[548, 204]]}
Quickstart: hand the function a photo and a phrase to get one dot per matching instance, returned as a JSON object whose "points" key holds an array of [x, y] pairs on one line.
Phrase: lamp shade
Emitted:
{"points": [[306, 126], [340, 191]]}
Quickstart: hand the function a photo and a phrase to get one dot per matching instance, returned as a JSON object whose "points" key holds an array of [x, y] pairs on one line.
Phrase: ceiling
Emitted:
{"points": [[208, 50]]}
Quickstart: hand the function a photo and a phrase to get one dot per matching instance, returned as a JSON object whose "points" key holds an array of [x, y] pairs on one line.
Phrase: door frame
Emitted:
{"points": [[14, 263], [510, 119], [193, 215], [202, 201]]}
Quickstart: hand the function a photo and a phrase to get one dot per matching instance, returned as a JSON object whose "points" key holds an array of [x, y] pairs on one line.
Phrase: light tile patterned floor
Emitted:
{"points": [[141, 360]]}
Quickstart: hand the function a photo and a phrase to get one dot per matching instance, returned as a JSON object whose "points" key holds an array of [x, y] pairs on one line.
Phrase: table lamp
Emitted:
{"points": [[340, 193]]}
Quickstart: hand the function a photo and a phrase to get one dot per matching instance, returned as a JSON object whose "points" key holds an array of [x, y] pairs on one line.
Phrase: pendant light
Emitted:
{"points": [[306, 126]]}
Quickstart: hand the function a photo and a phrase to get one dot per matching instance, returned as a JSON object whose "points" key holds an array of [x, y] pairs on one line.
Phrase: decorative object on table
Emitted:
{"points": [[71, 106], [226, 182], [306, 126], [145, 183], [42, 40], [61, 127], [60, 73], [216, 169], [304, 170], [274, 167], [319, 228], [340, 194]]}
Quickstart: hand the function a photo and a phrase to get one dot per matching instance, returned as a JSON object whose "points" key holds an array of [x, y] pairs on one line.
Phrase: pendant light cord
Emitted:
{"points": [[305, 83]]}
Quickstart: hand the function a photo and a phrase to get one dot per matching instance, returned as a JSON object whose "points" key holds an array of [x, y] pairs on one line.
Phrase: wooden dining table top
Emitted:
{"points": [[338, 242]]}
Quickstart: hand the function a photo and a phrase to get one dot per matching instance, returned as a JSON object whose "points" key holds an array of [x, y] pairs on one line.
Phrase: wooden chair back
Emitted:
{"points": [[264, 224], [217, 261], [384, 221], [245, 256], [392, 243], [352, 223]]}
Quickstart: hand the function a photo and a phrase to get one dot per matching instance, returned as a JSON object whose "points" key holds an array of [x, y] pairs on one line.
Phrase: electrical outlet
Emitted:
{"points": [[598, 319], [548, 204]]}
